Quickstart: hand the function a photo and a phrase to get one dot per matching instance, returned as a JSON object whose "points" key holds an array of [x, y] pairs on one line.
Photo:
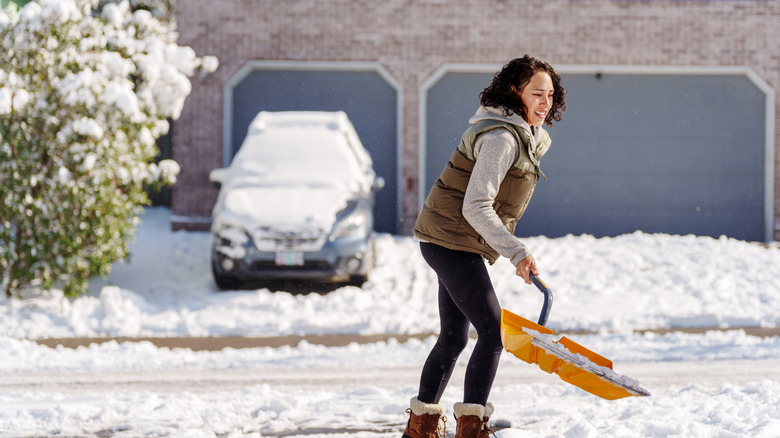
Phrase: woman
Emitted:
{"points": [[470, 215]]}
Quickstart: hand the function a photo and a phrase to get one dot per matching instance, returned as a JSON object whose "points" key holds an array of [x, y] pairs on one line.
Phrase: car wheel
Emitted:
{"points": [[224, 282], [357, 280]]}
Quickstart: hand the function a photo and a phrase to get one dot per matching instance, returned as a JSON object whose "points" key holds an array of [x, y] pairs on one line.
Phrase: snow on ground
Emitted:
{"points": [[635, 281], [609, 286]]}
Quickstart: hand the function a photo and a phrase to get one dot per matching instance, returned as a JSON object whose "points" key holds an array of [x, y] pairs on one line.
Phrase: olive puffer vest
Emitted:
{"points": [[441, 220]]}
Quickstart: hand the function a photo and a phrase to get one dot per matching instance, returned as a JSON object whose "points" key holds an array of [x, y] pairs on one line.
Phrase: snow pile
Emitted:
{"points": [[631, 282]]}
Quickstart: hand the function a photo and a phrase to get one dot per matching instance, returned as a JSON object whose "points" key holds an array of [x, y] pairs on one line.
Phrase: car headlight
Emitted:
{"points": [[230, 242], [232, 236], [354, 224]]}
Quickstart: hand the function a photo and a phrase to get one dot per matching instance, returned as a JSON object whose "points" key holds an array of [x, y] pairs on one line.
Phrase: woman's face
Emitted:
{"points": [[537, 96]]}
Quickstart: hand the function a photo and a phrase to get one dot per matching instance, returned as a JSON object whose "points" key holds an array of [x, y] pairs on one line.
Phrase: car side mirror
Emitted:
{"points": [[217, 177], [379, 184]]}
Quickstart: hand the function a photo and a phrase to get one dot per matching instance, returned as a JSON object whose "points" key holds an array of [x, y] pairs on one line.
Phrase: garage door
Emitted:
{"points": [[365, 94], [660, 153]]}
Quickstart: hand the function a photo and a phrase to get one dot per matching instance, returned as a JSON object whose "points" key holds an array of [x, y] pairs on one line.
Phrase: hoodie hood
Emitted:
{"points": [[493, 113], [533, 142]]}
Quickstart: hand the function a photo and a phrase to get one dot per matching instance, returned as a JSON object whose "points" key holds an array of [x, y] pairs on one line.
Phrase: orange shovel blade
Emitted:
{"points": [[572, 362]]}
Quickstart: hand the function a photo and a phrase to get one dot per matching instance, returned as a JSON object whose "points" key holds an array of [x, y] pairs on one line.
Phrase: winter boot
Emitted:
{"points": [[473, 420], [424, 420]]}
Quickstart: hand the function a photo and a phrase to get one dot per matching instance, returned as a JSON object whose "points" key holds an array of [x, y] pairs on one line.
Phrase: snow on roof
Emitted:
{"points": [[336, 121], [286, 119], [291, 156]]}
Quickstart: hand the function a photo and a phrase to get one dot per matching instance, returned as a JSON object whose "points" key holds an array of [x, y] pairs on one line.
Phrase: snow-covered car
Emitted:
{"points": [[295, 203]]}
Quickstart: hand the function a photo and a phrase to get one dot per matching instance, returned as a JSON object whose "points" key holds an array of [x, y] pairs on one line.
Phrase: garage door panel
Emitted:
{"points": [[621, 154], [657, 190], [542, 221], [649, 105]]}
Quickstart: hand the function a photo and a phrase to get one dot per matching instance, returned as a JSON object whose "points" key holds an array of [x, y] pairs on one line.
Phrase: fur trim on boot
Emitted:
{"points": [[462, 409], [473, 420], [420, 408], [424, 420]]}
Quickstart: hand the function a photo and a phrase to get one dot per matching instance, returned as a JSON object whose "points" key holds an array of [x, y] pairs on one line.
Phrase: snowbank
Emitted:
{"points": [[630, 282]]}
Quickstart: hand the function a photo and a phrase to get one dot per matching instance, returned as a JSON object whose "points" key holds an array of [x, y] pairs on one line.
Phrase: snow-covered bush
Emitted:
{"points": [[83, 97], [160, 9]]}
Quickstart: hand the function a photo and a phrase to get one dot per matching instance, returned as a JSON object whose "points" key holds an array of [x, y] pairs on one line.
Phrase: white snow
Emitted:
{"points": [[717, 384], [12, 99], [317, 207], [551, 346]]}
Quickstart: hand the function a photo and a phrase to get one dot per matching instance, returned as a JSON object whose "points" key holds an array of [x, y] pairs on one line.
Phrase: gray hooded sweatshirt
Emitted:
{"points": [[495, 152]]}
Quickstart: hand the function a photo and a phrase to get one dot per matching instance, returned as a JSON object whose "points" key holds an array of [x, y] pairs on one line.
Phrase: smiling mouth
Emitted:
{"points": [[540, 114]]}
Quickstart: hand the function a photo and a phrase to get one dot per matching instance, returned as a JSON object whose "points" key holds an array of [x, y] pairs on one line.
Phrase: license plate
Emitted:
{"points": [[289, 259]]}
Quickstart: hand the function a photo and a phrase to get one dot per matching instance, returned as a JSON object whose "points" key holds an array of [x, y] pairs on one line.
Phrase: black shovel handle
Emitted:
{"points": [[548, 298]]}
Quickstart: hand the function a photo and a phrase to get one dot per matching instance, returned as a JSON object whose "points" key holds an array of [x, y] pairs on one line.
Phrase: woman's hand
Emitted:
{"points": [[525, 267]]}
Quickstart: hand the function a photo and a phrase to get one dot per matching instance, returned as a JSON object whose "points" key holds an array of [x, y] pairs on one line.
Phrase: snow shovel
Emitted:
{"points": [[572, 362]]}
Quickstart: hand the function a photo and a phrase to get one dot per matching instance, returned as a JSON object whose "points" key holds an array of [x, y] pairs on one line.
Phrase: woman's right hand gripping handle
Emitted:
{"points": [[525, 267]]}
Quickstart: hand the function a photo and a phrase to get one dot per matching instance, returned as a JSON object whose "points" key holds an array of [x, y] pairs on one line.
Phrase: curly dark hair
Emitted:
{"points": [[504, 91]]}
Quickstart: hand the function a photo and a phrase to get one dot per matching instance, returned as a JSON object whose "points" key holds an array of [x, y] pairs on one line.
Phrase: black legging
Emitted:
{"points": [[466, 296]]}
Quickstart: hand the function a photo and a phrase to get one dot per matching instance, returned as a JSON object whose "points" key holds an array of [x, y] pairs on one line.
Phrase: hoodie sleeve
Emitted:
{"points": [[495, 152]]}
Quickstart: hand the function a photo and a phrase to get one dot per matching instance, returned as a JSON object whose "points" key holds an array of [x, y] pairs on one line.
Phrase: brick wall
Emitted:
{"points": [[412, 38]]}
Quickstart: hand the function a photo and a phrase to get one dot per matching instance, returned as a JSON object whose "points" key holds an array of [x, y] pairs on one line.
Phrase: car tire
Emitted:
{"points": [[223, 281], [357, 280]]}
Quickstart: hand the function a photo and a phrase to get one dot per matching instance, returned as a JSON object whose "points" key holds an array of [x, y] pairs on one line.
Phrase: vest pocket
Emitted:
{"points": [[442, 208]]}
